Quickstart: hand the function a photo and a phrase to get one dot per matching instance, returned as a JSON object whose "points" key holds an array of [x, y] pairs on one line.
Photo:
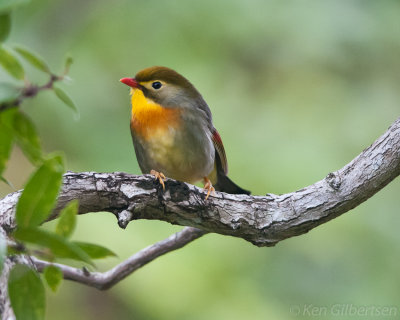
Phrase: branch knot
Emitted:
{"points": [[334, 180]]}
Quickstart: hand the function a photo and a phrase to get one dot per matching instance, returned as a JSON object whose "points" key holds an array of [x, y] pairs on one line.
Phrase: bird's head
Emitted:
{"points": [[164, 86]]}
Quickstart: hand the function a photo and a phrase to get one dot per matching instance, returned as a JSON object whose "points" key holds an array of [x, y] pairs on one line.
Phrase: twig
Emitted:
{"points": [[30, 91], [109, 278]]}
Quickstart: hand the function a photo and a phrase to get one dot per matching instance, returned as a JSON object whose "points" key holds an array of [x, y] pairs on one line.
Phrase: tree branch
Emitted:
{"points": [[108, 279], [262, 220]]}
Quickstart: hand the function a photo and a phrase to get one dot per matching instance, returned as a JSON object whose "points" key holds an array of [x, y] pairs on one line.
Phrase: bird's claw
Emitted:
{"points": [[160, 177], [208, 187]]}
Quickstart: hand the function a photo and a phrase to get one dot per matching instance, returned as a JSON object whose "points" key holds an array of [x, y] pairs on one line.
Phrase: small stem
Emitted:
{"points": [[30, 91]]}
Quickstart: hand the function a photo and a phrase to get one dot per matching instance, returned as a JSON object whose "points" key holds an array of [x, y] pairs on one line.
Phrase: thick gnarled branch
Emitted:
{"points": [[262, 220]]}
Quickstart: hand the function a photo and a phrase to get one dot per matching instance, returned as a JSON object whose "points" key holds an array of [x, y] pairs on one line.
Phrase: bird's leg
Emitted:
{"points": [[159, 176], [208, 187]]}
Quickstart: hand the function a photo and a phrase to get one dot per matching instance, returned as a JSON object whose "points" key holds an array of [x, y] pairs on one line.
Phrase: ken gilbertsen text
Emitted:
{"points": [[345, 309]]}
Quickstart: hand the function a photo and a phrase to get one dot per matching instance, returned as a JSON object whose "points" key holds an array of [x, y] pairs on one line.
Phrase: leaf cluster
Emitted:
{"points": [[39, 197]]}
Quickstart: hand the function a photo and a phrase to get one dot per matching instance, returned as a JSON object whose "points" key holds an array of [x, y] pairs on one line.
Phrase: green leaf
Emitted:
{"points": [[95, 251], [6, 141], [3, 250], [59, 246], [33, 58], [11, 64], [53, 276], [25, 134], [7, 182], [11, 251], [8, 5], [40, 194], [8, 92], [67, 64], [27, 294], [27, 137], [67, 221], [5, 26], [62, 95]]}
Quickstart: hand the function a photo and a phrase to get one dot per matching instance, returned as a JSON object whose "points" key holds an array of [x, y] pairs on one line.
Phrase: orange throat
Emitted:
{"points": [[149, 117]]}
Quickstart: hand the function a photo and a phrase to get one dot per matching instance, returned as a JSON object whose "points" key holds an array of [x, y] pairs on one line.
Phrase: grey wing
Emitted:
{"points": [[206, 112], [140, 155]]}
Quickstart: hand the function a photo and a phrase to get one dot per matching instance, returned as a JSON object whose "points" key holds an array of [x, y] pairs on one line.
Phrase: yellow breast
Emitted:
{"points": [[149, 119], [155, 126]]}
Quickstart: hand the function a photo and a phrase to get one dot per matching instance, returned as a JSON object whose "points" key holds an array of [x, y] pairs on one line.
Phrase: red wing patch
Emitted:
{"points": [[216, 138]]}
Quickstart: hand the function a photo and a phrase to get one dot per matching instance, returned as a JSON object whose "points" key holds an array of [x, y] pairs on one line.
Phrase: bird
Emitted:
{"points": [[173, 132]]}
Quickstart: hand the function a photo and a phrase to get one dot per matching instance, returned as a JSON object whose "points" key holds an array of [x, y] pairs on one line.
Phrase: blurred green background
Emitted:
{"points": [[297, 89]]}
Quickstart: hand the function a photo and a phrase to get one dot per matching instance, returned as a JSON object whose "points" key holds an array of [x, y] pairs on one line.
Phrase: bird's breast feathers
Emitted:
{"points": [[170, 145], [150, 120], [155, 128]]}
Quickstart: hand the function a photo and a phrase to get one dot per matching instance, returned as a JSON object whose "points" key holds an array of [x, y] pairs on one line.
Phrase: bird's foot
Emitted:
{"points": [[159, 176], [208, 187]]}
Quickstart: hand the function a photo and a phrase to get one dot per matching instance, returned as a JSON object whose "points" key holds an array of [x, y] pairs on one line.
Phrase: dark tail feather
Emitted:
{"points": [[225, 184]]}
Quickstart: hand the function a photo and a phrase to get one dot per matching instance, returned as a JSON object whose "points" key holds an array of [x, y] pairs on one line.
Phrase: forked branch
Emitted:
{"points": [[105, 280]]}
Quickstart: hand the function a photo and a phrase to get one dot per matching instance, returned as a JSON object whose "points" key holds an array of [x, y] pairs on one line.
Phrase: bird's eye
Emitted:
{"points": [[156, 85]]}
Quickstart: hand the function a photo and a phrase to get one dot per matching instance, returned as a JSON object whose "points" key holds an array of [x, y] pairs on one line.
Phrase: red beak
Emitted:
{"points": [[130, 82]]}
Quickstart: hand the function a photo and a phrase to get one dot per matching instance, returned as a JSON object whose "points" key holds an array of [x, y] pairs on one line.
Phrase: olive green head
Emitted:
{"points": [[165, 87]]}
